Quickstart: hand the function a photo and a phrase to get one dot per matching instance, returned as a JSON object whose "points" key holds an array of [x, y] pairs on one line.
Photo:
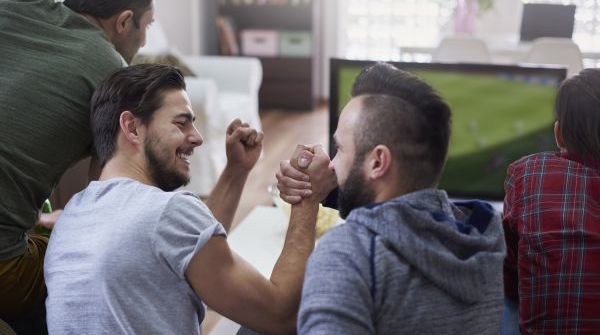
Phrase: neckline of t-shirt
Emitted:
{"points": [[114, 180]]}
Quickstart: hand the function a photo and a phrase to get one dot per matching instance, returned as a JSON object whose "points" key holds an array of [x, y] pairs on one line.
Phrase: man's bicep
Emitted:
{"points": [[336, 297], [229, 284]]}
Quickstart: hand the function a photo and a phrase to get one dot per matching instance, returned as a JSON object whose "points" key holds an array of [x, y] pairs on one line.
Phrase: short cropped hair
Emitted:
{"points": [[138, 89], [408, 116], [104, 9], [578, 114]]}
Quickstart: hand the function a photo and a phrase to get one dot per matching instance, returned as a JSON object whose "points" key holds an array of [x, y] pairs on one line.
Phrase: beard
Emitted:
{"points": [[165, 177], [355, 192]]}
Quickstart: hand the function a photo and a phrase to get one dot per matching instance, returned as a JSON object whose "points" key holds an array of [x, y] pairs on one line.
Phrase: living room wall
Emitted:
{"points": [[188, 24]]}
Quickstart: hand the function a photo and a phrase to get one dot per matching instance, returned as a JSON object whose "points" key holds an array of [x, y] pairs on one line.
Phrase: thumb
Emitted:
{"points": [[304, 159]]}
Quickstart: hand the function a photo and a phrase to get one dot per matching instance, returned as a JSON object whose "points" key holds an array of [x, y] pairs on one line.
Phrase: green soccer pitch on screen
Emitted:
{"points": [[499, 114]]}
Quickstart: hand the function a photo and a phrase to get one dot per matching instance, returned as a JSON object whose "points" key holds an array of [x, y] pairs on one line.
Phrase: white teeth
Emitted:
{"points": [[185, 157]]}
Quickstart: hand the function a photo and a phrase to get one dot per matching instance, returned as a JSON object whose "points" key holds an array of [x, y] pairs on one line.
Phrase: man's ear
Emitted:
{"points": [[123, 20], [558, 137], [128, 125], [379, 162]]}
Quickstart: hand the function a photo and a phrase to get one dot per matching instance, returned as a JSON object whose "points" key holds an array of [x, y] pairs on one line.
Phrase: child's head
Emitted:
{"points": [[578, 112]]}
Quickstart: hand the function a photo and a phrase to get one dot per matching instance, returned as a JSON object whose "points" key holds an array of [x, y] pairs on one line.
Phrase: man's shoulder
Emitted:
{"points": [[347, 232], [165, 202], [545, 156], [347, 240], [184, 200], [99, 51], [541, 162]]}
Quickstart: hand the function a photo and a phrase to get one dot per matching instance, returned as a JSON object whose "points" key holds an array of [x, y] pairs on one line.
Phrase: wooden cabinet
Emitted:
{"points": [[289, 81]]}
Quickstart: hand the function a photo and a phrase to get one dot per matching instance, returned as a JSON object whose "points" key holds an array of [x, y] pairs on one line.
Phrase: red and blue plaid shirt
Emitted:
{"points": [[552, 228]]}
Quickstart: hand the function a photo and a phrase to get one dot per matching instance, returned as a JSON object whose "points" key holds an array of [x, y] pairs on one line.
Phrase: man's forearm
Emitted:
{"points": [[225, 197], [288, 273]]}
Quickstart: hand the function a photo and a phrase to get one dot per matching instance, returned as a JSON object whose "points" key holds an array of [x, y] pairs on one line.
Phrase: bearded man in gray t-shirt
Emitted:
{"points": [[156, 254]]}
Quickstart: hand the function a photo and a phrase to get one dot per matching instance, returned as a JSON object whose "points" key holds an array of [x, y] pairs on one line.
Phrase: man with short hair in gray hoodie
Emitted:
{"points": [[407, 260]]}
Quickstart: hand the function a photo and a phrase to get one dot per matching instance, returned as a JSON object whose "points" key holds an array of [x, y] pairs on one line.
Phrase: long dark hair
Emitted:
{"points": [[578, 113]]}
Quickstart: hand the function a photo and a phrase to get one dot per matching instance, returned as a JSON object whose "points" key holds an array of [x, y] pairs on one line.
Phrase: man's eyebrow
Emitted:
{"points": [[186, 115]]}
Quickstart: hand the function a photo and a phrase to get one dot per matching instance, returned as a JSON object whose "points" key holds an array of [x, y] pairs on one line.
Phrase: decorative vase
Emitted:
{"points": [[465, 16]]}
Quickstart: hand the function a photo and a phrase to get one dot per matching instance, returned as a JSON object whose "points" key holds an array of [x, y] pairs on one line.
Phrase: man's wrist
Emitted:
{"points": [[307, 204], [235, 170]]}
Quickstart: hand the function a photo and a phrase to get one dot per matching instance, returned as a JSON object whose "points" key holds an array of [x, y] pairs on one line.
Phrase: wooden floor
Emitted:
{"points": [[283, 130]]}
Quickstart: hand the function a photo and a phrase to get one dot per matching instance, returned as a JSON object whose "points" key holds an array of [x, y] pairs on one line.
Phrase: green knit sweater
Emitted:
{"points": [[51, 59]]}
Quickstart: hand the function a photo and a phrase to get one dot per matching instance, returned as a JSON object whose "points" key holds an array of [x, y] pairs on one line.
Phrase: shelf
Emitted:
{"points": [[269, 17], [287, 80]]}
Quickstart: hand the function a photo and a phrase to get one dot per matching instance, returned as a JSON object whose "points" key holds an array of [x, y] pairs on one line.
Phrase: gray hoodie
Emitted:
{"points": [[416, 264]]}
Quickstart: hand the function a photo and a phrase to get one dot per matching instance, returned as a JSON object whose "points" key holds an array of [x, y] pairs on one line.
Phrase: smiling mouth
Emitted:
{"points": [[184, 156]]}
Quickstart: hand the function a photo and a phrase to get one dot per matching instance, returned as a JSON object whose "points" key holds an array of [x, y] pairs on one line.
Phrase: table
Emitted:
{"points": [[259, 237]]}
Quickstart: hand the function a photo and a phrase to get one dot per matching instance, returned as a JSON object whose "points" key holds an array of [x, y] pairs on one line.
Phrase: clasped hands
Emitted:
{"points": [[308, 175]]}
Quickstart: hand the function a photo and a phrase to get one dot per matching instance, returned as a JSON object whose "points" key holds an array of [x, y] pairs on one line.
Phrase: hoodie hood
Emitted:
{"points": [[459, 247]]}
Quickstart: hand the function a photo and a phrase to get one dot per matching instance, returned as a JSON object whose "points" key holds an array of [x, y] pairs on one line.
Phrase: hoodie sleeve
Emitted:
{"points": [[336, 296]]}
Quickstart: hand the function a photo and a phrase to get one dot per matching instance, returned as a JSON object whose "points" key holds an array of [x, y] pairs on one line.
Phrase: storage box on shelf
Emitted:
{"points": [[295, 44], [260, 42], [283, 36]]}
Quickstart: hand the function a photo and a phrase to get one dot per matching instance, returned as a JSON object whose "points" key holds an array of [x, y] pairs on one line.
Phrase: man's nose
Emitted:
{"points": [[196, 138]]}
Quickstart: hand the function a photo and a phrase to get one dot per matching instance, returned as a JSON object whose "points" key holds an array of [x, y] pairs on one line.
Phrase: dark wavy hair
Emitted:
{"points": [[138, 89]]}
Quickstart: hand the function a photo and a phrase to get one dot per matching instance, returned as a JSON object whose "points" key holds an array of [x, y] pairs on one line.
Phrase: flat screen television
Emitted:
{"points": [[547, 20], [499, 114]]}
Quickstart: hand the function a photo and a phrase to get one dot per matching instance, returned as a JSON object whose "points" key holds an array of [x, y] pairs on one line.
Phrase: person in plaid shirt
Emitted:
{"points": [[552, 220]]}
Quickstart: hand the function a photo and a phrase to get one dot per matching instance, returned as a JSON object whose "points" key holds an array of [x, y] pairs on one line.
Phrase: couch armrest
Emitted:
{"points": [[204, 96], [209, 159], [239, 74]]}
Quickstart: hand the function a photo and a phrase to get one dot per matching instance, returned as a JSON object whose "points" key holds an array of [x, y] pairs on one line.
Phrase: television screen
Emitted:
{"points": [[547, 20], [499, 114]]}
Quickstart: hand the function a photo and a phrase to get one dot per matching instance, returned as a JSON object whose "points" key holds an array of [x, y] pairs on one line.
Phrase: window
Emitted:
{"points": [[587, 21], [376, 29]]}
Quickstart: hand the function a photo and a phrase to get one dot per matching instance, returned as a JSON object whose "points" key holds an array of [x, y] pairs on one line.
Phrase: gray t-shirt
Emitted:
{"points": [[117, 259]]}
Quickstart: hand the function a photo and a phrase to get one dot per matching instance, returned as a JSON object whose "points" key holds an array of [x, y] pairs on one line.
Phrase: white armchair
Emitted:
{"points": [[557, 51], [223, 88], [462, 48]]}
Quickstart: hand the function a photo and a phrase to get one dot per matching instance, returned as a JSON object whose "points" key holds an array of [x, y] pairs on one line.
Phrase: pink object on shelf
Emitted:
{"points": [[260, 43]]}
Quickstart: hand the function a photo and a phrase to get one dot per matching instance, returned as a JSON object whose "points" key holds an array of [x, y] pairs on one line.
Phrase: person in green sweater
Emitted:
{"points": [[53, 55]]}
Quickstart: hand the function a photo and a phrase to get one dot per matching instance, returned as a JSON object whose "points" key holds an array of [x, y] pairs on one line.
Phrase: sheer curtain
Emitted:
{"points": [[378, 29]]}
